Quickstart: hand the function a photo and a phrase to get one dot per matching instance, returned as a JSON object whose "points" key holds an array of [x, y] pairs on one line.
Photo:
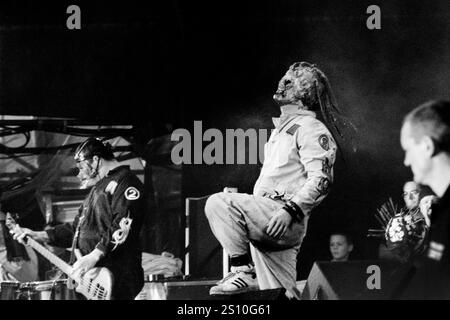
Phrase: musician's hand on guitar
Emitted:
{"points": [[20, 233], [85, 263]]}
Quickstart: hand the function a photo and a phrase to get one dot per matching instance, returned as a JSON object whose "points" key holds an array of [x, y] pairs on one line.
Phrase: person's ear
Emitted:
{"points": [[350, 248], [95, 161], [430, 146]]}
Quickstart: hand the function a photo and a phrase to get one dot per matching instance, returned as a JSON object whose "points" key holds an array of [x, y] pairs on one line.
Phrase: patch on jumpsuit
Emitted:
{"points": [[111, 187], [132, 193], [326, 166], [324, 142], [324, 186], [120, 235], [435, 250], [292, 129]]}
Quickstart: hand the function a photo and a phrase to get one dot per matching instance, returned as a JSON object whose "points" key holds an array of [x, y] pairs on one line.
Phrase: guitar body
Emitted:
{"points": [[96, 284]]}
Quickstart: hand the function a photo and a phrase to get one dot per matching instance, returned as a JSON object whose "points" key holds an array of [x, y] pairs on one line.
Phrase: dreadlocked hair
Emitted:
{"points": [[320, 97]]}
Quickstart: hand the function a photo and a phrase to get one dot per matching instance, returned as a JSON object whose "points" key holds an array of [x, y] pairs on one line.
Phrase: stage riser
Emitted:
{"points": [[199, 290]]}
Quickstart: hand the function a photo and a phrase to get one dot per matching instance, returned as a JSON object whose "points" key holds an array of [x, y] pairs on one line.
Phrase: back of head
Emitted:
{"points": [[431, 119], [93, 147]]}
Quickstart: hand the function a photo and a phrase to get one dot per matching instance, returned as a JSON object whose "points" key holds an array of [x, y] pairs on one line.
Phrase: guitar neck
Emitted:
{"points": [[61, 264]]}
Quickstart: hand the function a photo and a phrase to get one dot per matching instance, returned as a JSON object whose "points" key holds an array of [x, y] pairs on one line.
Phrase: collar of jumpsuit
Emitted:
{"points": [[288, 111], [116, 169]]}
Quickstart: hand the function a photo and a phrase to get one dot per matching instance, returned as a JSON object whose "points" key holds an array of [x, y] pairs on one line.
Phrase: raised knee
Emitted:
{"points": [[212, 204]]}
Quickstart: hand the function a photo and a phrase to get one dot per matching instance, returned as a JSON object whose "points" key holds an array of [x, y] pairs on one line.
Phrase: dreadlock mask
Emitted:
{"points": [[307, 86], [299, 85]]}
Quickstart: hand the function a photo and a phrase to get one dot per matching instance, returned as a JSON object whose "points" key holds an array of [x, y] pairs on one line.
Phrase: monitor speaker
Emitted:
{"points": [[356, 280]]}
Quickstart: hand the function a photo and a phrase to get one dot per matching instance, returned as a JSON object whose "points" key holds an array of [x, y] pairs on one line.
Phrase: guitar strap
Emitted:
{"points": [[74, 241], [86, 205], [70, 284]]}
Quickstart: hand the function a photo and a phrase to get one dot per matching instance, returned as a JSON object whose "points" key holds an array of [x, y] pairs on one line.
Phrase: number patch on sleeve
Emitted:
{"points": [[132, 193]]}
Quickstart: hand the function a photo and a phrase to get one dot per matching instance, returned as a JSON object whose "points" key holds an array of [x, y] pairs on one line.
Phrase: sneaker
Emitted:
{"points": [[232, 273], [239, 280]]}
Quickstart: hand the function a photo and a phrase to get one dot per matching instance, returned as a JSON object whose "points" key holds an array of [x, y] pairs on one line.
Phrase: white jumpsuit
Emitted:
{"points": [[298, 166]]}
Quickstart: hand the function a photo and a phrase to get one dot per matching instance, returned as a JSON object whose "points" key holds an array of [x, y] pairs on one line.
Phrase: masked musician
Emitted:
{"points": [[105, 233], [296, 176]]}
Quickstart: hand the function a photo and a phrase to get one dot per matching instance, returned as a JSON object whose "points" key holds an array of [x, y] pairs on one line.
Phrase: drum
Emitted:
{"points": [[45, 290], [152, 291], [155, 286], [9, 290]]}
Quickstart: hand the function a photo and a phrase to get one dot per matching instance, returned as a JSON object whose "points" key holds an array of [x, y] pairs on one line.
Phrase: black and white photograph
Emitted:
{"points": [[230, 156]]}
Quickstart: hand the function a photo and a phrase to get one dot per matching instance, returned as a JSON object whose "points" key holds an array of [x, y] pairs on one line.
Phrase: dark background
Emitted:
{"points": [[219, 62]]}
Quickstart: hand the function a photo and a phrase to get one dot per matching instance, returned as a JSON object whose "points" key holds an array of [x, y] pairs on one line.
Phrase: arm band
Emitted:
{"points": [[294, 210]]}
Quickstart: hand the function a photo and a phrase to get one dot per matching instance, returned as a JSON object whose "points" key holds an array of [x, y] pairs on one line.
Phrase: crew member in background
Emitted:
{"points": [[400, 248], [341, 245]]}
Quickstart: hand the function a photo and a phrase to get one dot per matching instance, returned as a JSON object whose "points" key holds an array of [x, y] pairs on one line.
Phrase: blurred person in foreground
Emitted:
{"points": [[425, 139]]}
